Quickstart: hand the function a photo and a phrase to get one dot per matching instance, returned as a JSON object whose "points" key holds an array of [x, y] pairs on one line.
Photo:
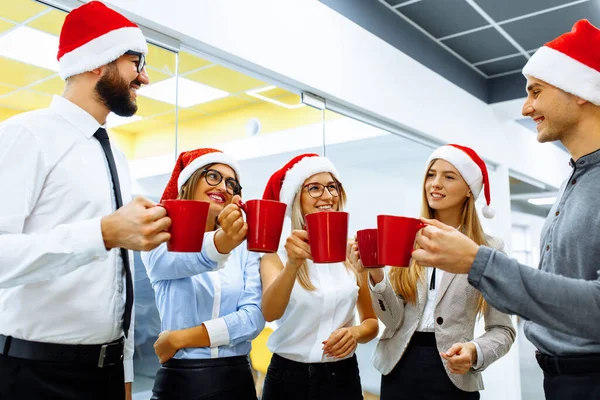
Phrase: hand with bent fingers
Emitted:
{"points": [[341, 343], [297, 248], [461, 357], [164, 347], [232, 222], [138, 225], [444, 247], [353, 256]]}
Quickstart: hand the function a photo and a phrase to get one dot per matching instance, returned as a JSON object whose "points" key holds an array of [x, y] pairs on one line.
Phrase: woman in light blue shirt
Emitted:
{"points": [[209, 302]]}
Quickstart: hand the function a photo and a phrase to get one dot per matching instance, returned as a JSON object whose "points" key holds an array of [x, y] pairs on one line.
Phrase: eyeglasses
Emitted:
{"points": [[141, 63], [214, 178], [316, 190]]}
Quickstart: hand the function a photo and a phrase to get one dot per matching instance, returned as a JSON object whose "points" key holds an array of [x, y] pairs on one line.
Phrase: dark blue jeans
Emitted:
{"points": [[291, 380]]}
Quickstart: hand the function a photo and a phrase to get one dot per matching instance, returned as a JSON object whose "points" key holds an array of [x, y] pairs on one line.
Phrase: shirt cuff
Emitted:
{"points": [[128, 369], [217, 332], [379, 287], [479, 362], [211, 249], [88, 241], [478, 267]]}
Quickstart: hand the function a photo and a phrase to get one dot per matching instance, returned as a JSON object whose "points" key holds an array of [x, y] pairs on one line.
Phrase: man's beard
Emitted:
{"points": [[113, 91]]}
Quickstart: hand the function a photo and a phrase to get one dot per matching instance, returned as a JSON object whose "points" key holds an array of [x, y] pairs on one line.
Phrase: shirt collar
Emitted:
{"points": [[76, 116], [587, 160]]}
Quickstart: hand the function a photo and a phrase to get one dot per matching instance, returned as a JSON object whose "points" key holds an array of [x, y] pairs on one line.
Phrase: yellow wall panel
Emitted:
{"points": [[5, 25], [156, 75], [161, 59], [189, 62], [20, 74], [220, 105], [214, 129], [6, 113], [20, 10], [125, 141], [26, 100], [225, 79], [50, 23], [148, 107], [4, 89], [51, 86]]}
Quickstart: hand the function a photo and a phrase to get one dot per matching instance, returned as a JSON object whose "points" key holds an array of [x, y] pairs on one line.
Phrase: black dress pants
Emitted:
{"points": [[22, 379], [227, 378], [420, 375], [291, 380]]}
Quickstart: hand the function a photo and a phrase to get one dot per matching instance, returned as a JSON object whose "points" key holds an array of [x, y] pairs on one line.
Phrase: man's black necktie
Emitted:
{"points": [[102, 137]]}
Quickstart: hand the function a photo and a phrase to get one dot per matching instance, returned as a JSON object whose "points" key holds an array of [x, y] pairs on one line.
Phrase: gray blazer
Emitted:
{"points": [[455, 315]]}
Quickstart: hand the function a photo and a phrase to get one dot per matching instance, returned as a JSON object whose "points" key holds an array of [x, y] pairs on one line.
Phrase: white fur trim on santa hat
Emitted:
{"points": [[564, 72], [467, 168], [101, 51], [210, 158], [302, 170]]}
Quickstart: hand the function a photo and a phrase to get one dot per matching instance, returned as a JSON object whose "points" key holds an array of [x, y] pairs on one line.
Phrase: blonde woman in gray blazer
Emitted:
{"points": [[427, 350]]}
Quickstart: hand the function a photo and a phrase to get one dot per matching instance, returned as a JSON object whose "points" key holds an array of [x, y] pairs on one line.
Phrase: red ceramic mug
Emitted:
{"points": [[327, 236], [396, 239], [265, 222], [367, 247], [188, 224]]}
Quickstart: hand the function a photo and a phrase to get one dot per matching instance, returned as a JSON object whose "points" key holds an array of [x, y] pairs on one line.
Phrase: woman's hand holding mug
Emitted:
{"points": [[297, 248]]}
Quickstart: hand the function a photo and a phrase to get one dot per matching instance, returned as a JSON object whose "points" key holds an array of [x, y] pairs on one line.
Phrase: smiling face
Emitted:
{"points": [[445, 188], [117, 86], [326, 201], [217, 196], [555, 112]]}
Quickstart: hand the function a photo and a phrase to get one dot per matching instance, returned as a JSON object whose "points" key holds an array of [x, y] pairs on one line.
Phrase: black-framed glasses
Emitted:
{"points": [[316, 190], [141, 61], [214, 178]]}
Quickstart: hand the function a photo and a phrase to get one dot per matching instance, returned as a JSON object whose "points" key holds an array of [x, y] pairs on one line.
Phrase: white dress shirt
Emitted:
{"points": [[58, 283], [312, 316]]}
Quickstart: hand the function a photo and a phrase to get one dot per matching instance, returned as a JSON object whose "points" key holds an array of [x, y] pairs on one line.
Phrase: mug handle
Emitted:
{"points": [[243, 206]]}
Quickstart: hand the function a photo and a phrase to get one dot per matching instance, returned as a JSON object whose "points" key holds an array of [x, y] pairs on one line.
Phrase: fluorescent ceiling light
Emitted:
{"points": [[30, 46], [255, 93], [113, 120], [542, 201], [190, 92]]}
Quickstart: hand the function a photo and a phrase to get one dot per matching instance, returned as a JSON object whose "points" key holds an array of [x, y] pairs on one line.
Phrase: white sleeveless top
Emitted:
{"points": [[311, 316]]}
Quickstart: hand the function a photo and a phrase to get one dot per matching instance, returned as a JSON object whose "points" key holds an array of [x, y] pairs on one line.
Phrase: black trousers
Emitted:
{"points": [[227, 378], [571, 377], [22, 379], [291, 380], [420, 375], [572, 387]]}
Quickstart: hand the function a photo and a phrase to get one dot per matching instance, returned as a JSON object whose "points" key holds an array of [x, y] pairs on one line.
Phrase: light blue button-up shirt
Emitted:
{"points": [[223, 292]]}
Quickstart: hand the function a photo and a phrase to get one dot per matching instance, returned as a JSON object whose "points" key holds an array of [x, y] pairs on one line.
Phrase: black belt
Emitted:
{"points": [[572, 365], [100, 355]]}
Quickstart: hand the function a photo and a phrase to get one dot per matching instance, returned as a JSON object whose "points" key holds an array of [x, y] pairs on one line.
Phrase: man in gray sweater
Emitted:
{"points": [[561, 299]]}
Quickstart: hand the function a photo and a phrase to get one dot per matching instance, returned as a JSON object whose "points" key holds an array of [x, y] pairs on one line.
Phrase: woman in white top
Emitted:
{"points": [[427, 350], [314, 305]]}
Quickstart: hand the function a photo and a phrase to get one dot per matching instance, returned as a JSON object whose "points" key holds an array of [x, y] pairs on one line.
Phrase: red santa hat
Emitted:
{"points": [[285, 183], [93, 35], [471, 167], [571, 62], [189, 162]]}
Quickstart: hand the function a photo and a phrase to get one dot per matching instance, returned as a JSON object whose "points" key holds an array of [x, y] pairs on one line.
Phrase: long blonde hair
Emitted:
{"points": [[404, 280], [298, 223]]}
